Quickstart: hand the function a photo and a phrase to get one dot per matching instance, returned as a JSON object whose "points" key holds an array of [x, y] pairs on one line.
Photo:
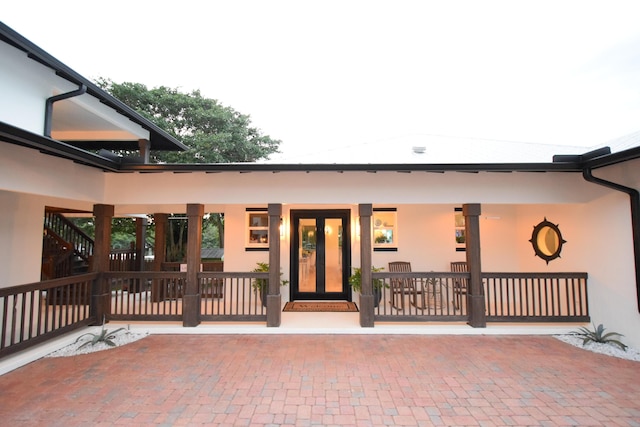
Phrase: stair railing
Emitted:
{"points": [[81, 243]]}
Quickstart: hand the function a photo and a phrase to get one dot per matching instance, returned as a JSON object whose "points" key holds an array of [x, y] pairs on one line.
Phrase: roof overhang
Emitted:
{"points": [[158, 138]]}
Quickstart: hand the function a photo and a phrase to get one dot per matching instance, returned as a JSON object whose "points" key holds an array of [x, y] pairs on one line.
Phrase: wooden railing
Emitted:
{"points": [[231, 296], [421, 296], [536, 297], [57, 260], [67, 231], [124, 259], [158, 296], [33, 313], [509, 297]]}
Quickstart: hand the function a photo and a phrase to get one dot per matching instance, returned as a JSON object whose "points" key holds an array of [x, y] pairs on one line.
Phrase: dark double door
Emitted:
{"points": [[320, 254]]}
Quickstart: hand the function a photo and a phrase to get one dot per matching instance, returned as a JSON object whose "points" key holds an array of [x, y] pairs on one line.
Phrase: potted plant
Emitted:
{"points": [[355, 280], [261, 286]]}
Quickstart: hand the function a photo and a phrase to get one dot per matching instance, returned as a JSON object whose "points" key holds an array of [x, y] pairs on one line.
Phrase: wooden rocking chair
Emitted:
{"points": [[459, 285], [401, 286]]}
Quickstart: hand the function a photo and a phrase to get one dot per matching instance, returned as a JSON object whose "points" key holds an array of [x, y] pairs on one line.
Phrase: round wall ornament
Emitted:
{"points": [[547, 240]]}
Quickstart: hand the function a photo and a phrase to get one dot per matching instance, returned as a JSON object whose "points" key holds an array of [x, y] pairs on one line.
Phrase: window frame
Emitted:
{"points": [[261, 229], [381, 223]]}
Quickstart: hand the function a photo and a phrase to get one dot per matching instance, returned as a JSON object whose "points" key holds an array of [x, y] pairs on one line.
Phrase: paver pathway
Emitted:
{"points": [[341, 380]]}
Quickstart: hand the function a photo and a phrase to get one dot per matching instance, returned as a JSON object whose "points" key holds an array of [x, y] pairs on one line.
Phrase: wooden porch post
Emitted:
{"points": [[475, 295], [191, 296], [101, 294], [141, 240], [366, 296], [159, 253], [274, 298]]}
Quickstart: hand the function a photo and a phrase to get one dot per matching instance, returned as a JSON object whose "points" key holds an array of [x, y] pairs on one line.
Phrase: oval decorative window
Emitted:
{"points": [[547, 240]]}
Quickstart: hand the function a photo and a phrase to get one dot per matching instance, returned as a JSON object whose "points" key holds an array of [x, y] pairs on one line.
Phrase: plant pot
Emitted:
{"points": [[263, 296], [377, 297]]}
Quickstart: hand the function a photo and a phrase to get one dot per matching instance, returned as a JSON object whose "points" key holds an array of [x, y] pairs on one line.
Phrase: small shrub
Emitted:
{"points": [[104, 336], [259, 284], [355, 280], [598, 335]]}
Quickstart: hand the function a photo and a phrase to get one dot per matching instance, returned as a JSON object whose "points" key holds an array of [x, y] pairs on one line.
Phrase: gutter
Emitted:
{"points": [[48, 109], [634, 198]]}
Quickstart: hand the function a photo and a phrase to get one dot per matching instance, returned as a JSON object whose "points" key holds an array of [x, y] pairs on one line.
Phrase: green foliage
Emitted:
{"points": [[381, 239], [259, 284], [104, 336], [213, 133], [598, 335], [355, 280]]}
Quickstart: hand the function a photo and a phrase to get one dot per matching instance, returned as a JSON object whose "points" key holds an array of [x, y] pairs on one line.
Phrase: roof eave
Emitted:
{"points": [[372, 168], [160, 140], [53, 147]]}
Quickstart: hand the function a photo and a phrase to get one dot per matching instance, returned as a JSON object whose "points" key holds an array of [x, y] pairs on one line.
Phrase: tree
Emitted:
{"points": [[213, 133]]}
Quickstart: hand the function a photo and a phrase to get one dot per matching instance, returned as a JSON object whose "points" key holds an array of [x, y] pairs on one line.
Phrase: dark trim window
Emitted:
{"points": [[257, 226], [385, 229]]}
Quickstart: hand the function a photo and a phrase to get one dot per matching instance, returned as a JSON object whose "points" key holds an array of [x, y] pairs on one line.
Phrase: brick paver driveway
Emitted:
{"points": [[342, 380]]}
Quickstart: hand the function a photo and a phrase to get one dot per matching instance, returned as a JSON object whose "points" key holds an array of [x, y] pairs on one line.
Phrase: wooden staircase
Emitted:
{"points": [[66, 250]]}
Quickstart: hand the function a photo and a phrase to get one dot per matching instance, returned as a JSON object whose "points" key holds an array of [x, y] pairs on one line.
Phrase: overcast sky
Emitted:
{"points": [[321, 74]]}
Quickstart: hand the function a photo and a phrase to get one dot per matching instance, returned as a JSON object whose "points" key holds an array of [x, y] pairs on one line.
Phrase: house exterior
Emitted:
{"points": [[315, 221]]}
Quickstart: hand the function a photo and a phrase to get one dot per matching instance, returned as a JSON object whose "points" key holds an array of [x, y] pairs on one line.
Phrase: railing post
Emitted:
{"points": [[366, 293], [159, 253], [475, 295], [274, 298], [100, 292], [141, 244], [191, 297]]}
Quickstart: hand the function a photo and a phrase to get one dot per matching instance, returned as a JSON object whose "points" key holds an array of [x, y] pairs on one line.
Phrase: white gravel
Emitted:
{"points": [[125, 337], [121, 338], [602, 348]]}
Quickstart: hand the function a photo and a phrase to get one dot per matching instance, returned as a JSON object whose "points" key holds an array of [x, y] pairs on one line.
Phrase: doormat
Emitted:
{"points": [[321, 306]]}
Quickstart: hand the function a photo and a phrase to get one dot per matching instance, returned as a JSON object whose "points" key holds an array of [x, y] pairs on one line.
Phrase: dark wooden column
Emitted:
{"points": [[366, 295], [191, 297], [141, 240], [159, 253], [274, 299], [475, 295], [101, 294]]}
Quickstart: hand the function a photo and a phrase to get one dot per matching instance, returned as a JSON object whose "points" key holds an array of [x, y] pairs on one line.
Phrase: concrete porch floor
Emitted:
{"points": [[312, 372]]}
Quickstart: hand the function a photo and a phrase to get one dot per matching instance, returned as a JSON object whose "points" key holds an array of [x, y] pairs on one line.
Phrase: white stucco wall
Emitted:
{"points": [[608, 249], [345, 188], [21, 219], [25, 170]]}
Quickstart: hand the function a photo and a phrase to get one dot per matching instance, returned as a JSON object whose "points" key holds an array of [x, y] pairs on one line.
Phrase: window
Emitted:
{"points": [[385, 229], [257, 228], [461, 239]]}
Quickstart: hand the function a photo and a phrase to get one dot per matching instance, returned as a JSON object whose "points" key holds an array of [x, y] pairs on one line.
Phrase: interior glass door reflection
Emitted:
{"points": [[320, 251]]}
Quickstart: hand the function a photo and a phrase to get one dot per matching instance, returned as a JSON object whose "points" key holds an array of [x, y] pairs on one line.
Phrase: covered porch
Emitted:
{"points": [[467, 297]]}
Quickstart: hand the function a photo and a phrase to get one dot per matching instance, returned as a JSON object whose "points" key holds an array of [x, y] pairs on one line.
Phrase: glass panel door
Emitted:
{"points": [[307, 255], [320, 255]]}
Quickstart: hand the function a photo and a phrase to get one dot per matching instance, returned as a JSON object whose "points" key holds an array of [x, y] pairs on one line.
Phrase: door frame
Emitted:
{"points": [[294, 216]]}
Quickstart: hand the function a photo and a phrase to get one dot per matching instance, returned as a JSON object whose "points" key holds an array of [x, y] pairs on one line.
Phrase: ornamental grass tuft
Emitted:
{"points": [[598, 335]]}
